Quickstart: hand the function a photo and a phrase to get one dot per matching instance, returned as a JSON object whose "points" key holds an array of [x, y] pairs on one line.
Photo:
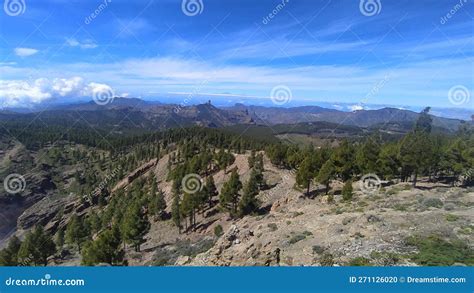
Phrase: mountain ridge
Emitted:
{"points": [[156, 115]]}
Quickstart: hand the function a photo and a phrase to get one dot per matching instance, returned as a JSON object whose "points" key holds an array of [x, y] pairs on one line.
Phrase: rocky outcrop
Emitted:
{"points": [[135, 174]]}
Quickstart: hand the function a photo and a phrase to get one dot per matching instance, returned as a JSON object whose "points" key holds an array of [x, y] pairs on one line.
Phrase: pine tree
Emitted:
{"points": [[343, 160], [248, 202], [416, 148], [157, 203], [76, 232], [367, 155], [305, 174], [59, 240], [415, 153], [176, 211], [259, 164], [347, 190], [106, 249], [135, 225], [210, 190], [9, 255], [325, 174], [455, 158], [36, 248], [93, 222], [229, 195], [387, 163], [251, 159], [424, 121], [44, 244], [187, 209]]}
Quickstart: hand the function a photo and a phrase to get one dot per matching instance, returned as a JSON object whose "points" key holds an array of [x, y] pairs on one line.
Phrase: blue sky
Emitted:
{"points": [[407, 53]]}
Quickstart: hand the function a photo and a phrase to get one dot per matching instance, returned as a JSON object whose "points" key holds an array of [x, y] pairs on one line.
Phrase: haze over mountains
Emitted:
{"points": [[134, 113]]}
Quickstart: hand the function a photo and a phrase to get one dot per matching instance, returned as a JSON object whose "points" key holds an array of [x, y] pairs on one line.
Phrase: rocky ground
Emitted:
{"points": [[295, 230]]}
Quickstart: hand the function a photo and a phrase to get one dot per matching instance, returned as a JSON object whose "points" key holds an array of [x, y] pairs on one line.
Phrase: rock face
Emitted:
{"points": [[43, 213], [38, 186], [135, 174]]}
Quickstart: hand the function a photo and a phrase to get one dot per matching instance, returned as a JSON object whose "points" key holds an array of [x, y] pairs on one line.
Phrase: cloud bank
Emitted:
{"points": [[20, 93]]}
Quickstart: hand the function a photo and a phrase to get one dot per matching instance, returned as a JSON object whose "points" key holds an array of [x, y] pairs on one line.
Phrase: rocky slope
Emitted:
{"points": [[290, 229]]}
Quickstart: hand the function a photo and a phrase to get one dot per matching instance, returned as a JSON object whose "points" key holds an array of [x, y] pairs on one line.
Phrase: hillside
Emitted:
{"points": [[203, 196], [296, 230]]}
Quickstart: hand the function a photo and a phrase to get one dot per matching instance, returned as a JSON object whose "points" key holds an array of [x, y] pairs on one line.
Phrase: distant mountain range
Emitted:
{"points": [[131, 113], [360, 118]]}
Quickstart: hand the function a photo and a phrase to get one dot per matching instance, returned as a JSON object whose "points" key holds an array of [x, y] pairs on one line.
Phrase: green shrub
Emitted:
{"points": [[435, 251], [451, 218], [347, 191], [327, 260], [318, 249], [433, 202], [218, 231], [297, 238], [273, 227], [330, 198], [307, 233], [359, 262]]}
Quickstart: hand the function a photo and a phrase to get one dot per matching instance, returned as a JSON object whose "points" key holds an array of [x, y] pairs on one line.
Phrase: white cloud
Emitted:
{"points": [[356, 108], [411, 83], [86, 44], [14, 93], [25, 52]]}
